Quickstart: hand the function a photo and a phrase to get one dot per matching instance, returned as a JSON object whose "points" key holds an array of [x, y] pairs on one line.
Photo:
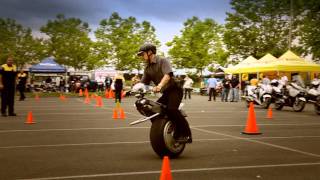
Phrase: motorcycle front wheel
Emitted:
{"points": [[162, 141], [266, 103], [298, 105]]}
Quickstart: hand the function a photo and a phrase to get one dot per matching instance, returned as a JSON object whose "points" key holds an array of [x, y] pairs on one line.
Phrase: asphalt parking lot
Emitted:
{"points": [[73, 140]]}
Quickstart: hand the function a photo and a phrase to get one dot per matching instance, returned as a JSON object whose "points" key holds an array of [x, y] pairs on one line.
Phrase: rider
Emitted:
{"points": [[159, 71]]}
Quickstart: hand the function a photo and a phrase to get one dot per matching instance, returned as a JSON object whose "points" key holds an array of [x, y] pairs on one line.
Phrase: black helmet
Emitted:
{"points": [[147, 47]]}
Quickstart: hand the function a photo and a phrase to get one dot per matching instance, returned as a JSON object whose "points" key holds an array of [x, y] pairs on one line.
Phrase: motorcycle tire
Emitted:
{"points": [[162, 140], [298, 105], [317, 106], [278, 106], [266, 103]]}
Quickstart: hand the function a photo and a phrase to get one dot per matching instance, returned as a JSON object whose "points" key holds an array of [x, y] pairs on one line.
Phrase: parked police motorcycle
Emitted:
{"points": [[294, 96], [313, 95], [260, 95], [162, 128], [276, 95]]}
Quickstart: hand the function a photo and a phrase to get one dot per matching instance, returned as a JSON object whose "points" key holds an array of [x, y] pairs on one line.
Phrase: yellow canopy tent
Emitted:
{"points": [[288, 62], [248, 62], [293, 63]]}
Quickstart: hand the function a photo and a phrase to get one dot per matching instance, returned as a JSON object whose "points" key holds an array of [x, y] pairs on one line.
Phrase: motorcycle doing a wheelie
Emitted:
{"points": [[260, 95], [162, 129], [313, 95]]}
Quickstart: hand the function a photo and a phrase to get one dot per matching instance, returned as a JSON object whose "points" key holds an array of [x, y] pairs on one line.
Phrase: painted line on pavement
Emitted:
{"points": [[144, 127], [177, 171], [70, 129], [143, 142], [259, 142]]}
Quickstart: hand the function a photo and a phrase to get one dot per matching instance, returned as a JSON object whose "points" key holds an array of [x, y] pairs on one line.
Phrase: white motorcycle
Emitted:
{"points": [[294, 96], [313, 95], [260, 95]]}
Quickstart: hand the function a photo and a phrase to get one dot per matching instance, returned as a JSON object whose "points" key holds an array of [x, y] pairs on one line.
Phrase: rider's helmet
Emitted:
{"points": [[147, 47], [274, 82]]}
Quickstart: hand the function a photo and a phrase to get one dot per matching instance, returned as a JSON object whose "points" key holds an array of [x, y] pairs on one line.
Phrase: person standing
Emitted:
{"points": [[265, 80], [8, 73], [187, 86], [108, 82], [226, 89], [158, 70], [234, 89], [118, 87], [22, 81], [212, 85]]}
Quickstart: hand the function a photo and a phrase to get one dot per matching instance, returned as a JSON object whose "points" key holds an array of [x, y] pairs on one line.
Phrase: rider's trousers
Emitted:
{"points": [[172, 98]]}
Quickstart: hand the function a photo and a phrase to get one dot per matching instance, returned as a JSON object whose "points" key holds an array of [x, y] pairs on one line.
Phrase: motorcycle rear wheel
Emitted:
{"points": [[162, 140]]}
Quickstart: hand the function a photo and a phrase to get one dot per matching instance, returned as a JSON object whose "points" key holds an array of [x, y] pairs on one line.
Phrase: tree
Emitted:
{"points": [[17, 41], [257, 27], [69, 42], [199, 45], [310, 31], [119, 40]]}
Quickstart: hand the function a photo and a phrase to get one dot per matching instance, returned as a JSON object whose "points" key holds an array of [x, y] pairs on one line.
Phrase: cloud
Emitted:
{"points": [[165, 15]]}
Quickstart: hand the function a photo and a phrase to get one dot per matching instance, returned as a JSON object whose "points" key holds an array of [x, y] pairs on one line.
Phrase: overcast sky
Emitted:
{"points": [[167, 16]]}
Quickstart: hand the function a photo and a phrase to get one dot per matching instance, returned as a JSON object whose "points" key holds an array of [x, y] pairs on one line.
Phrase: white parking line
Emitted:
{"points": [[144, 127], [259, 142], [143, 142], [176, 171], [70, 129]]}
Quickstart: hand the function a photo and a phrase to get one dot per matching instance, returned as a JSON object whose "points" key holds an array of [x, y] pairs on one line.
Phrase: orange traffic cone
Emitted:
{"points": [[269, 115], [106, 94], [29, 118], [122, 115], [80, 92], [86, 93], [115, 114], [165, 170], [251, 128], [62, 97], [87, 100], [123, 94], [36, 97]]}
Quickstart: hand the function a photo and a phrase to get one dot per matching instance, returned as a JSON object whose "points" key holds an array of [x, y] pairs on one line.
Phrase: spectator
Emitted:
{"points": [[226, 89], [108, 82], [234, 89], [22, 81], [118, 86], [265, 80], [187, 86], [212, 85], [62, 85], [8, 74]]}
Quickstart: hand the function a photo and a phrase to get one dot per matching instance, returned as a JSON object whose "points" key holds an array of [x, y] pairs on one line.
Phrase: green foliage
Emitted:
{"points": [[310, 31], [120, 38], [69, 42], [199, 45], [18, 42], [257, 27]]}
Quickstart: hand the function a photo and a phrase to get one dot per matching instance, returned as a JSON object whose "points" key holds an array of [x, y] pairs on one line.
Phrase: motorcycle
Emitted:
{"points": [[260, 95], [276, 95], [162, 128], [313, 95], [294, 96]]}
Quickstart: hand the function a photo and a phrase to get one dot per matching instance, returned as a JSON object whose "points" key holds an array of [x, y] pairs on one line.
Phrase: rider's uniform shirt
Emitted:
{"points": [[155, 70], [8, 75]]}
